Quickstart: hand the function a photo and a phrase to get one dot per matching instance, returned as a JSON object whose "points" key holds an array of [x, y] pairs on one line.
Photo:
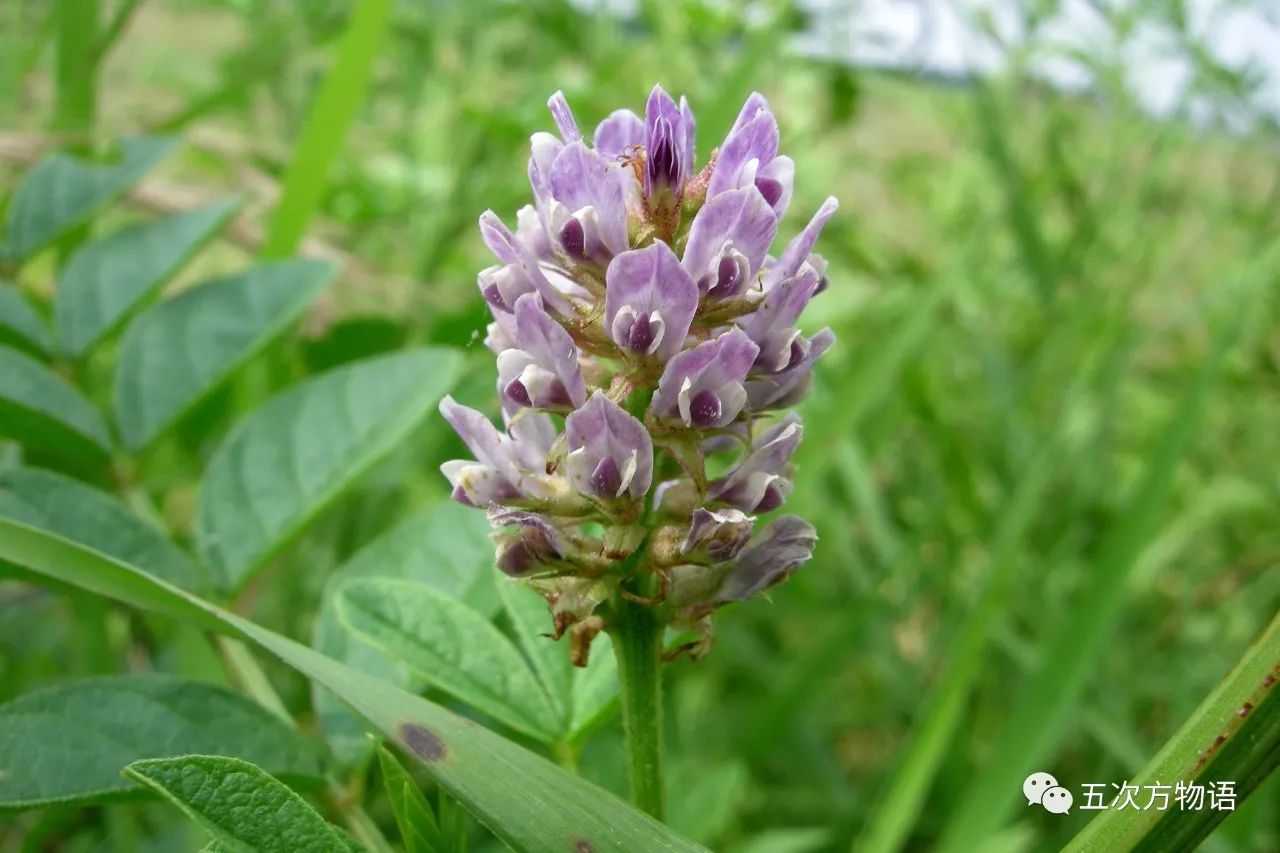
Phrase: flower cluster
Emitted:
{"points": [[637, 302]]}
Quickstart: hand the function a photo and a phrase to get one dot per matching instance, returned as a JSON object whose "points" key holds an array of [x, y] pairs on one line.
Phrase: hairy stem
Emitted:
{"points": [[637, 644]]}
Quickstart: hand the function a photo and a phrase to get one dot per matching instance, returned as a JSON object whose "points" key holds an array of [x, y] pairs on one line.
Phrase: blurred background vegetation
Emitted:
{"points": [[1042, 458]]}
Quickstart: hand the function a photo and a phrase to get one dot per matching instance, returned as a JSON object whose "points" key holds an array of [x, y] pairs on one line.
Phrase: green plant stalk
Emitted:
{"points": [[637, 645], [1233, 736], [327, 124], [76, 70]]}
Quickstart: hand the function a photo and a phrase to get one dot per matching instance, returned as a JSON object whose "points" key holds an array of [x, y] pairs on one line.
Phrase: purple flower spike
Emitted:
{"points": [[564, 117], [649, 301], [521, 273], [717, 535], [669, 144], [543, 373], [759, 483], [770, 558], [610, 452], [702, 387], [620, 134], [728, 242], [587, 211], [637, 273]]}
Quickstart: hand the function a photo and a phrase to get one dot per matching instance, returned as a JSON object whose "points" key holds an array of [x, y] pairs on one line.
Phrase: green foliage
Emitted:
{"points": [[63, 192], [69, 743], [96, 520], [38, 407], [176, 353], [417, 822], [526, 801], [239, 804], [20, 326], [451, 647], [108, 279], [288, 460]]}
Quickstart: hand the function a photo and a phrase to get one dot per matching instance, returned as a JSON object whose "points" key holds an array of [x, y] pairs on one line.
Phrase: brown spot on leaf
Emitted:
{"points": [[423, 742], [1245, 709], [582, 845]]}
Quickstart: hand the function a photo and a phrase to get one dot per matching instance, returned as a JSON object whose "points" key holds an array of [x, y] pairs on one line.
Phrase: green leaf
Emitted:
{"points": [[451, 647], [531, 619], [20, 325], [62, 191], [595, 688], [178, 351], [39, 408], [418, 827], [288, 460], [445, 546], [1233, 736], [69, 743], [106, 280], [526, 801], [242, 806], [96, 520], [581, 696]]}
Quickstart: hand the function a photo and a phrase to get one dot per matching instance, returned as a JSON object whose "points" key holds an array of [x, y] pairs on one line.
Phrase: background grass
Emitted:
{"points": [[1042, 457]]}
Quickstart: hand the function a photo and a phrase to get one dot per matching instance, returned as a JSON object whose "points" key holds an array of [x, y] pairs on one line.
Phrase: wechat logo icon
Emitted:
{"points": [[1041, 789]]}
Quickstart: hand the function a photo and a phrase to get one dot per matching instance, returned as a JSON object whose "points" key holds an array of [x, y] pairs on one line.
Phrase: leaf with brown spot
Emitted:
{"points": [[526, 801]]}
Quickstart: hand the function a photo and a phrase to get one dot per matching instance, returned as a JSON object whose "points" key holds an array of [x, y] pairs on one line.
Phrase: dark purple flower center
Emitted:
{"points": [[796, 354], [728, 277], [770, 189], [493, 296], [823, 284], [664, 160], [516, 391], [640, 336], [574, 239], [771, 500], [705, 409], [516, 560], [461, 496], [558, 395], [606, 480]]}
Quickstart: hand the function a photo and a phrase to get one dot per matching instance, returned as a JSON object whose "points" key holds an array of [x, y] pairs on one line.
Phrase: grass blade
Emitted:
{"points": [[327, 125]]}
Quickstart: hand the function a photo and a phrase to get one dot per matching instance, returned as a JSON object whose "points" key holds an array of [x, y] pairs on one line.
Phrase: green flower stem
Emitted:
{"points": [[637, 644]]}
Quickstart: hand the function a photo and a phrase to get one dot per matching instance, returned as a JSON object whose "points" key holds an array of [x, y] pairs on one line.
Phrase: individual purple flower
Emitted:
{"points": [[534, 545], [543, 373], [702, 387], [791, 384], [610, 453], [769, 558], [799, 251], [728, 242], [760, 483], [505, 468], [585, 210], [519, 274], [749, 157], [669, 144], [649, 301], [716, 535]]}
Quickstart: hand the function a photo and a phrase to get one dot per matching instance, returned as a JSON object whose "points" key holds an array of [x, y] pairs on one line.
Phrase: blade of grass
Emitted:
{"points": [[1234, 735], [1042, 707], [327, 125], [76, 70]]}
